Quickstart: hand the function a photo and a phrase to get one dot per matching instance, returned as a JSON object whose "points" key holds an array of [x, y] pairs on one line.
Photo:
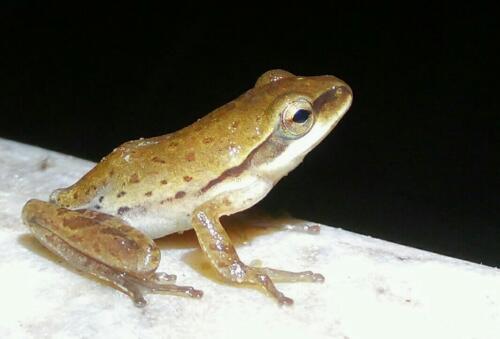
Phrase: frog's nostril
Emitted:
{"points": [[342, 90], [339, 96], [324, 98]]}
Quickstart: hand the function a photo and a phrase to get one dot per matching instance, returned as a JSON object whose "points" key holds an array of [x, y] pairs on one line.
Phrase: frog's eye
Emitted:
{"points": [[301, 116], [297, 118]]}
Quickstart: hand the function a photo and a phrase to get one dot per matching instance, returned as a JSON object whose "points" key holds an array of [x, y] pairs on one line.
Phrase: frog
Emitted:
{"points": [[226, 162]]}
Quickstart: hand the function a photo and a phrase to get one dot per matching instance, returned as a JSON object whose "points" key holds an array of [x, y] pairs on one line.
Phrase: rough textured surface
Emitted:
{"points": [[373, 288]]}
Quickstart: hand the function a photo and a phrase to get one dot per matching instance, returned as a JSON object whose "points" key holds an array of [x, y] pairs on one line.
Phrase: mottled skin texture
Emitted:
{"points": [[223, 163]]}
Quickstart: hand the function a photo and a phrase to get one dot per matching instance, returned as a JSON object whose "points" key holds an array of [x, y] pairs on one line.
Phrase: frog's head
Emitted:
{"points": [[302, 111]]}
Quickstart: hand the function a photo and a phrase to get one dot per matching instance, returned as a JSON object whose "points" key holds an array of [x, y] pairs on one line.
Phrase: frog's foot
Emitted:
{"points": [[129, 284], [266, 277], [134, 287], [217, 246]]}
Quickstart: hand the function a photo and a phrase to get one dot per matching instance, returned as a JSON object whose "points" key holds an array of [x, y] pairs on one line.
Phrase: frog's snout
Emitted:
{"points": [[343, 90], [338, 99]]}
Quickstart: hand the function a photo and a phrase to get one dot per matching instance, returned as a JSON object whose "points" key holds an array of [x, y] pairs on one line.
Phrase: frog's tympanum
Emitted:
{"points": [[222, 164]]}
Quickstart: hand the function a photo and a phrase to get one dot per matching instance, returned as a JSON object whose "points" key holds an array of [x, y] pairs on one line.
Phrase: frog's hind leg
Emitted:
{"points": [[84, 263], [130, 285], [103, 246], [217, 246]]}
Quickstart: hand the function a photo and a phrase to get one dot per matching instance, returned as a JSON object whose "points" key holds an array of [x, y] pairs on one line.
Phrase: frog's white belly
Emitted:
{"points": [[157, 223], [157, 220]]}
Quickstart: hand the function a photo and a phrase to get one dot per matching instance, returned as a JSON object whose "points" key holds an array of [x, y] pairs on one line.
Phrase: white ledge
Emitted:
{"points": [[373, 288]]}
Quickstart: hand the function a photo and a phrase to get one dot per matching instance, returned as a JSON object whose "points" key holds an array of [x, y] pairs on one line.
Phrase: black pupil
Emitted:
{"points": [[301, 116]]}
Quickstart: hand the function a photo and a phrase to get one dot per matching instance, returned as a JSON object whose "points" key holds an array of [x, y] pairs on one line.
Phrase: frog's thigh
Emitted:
{"points": [[217, 246]]}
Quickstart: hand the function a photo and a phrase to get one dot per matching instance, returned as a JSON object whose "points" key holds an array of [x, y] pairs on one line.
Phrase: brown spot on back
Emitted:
{"points": [[208, 140], [235, 124], [166, 200], [148, 194], [190, 156], [75, 195], [134, 178], [101, 198], [180, 194], [122, 210], [121, 194], [187, 178], [111, 173], [164, 182], [156, 159]]}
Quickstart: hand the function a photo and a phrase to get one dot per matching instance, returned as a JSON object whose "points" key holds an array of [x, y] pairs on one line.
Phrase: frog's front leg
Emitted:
{"points": [[216, 244], [104, 246]]}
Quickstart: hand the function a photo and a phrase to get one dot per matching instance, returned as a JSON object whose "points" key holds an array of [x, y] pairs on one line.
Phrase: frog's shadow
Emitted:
{"points": [[241, 228]]}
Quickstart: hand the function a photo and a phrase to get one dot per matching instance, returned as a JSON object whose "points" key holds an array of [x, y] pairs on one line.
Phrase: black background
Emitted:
{"points": [[414, 161]]}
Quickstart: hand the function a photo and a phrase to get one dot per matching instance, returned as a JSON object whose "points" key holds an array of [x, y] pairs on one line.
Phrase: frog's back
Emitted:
{"points": [[174, 165]]}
